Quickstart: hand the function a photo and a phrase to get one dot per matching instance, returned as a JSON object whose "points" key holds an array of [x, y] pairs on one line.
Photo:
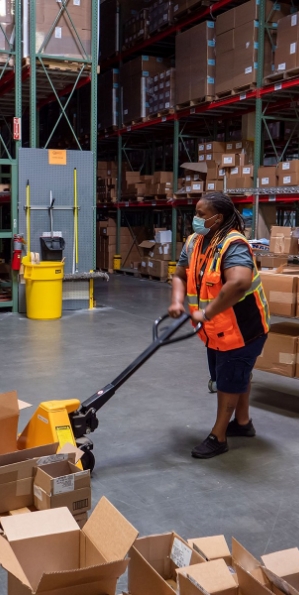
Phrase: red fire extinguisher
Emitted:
{"points": [[18, 242]]}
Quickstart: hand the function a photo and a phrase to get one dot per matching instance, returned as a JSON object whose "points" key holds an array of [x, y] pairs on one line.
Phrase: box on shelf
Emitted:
{"points": [[279, 355], [284, 240], [160, 15], [195, 63], [288, 173], [216, 185], [281, 293], [272, 261], [197, 187], [144, 265], [62, 484], [136, 28], [267, 176], [161, 251], [228, 160], [287, 50], [44, 551], [154, 560]]}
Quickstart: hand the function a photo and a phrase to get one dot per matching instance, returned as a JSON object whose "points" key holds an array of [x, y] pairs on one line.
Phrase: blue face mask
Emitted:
{"points": [[198, 225]]}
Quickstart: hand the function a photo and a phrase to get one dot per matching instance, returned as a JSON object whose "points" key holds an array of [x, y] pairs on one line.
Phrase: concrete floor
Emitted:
{"points": [[147, 430]]}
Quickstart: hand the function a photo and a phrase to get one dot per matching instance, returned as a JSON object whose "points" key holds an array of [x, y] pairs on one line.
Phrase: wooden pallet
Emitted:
{"points": [[59, 65], [193, 8], [195, 102], [236, 91], [281, 76], [160, 114]]}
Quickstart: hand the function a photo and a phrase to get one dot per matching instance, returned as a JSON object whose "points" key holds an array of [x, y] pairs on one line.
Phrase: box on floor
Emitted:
{"points": [[45, 551], [280, 353], [284, 240], [153, 563], [157, 268], [62, 484], [282, 569]]}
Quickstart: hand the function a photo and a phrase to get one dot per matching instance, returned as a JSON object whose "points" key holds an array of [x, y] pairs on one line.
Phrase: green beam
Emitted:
{"points": [[94, 110], [119, 185], [6, 235], [32, 108]]}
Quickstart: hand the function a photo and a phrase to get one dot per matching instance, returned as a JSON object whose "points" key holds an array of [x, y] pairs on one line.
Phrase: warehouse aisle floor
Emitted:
{"points": [[147, 430]]}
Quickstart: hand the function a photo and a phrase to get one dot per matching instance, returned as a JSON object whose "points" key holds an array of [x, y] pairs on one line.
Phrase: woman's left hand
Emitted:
{"points": [[198, 316]]}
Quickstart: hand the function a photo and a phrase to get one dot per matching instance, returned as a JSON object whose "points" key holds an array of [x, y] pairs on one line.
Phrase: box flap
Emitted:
{"points": [[212, 576], [280, 583], [109, 531], [9, 404], [29, 453], [147, 244], [10, 562], [243, 557], [283, 563], [210, 548], [71, 449], [36, 524], [249, 584], [199, 167], [23, 405], [58, 580]]}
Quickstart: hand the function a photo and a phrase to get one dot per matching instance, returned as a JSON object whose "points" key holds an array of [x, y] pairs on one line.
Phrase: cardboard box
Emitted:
{"points": [[226, 22], [279, 355], [214, 147], [197, 187], [154, 560], [288, 167], [267, 176], [17, 471], [284, 564], [144, 265], [62, 484], [281, 293], [216, 185], [212, 548], [157, 268], [161, 251], [242, 182], [45, 551], [283, 240], [228, 160], [10, 408], [211, 577], [163, 177], [272, 261]]}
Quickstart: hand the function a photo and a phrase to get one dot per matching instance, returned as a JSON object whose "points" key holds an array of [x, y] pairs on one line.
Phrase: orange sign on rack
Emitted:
{"points": [[57, 157]]}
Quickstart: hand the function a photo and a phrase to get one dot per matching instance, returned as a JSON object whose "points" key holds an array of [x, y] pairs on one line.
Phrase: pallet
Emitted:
{"points": [[59, 65], [159, 114], [195, 102], [281, 76], [236, 91], [193, 8]]}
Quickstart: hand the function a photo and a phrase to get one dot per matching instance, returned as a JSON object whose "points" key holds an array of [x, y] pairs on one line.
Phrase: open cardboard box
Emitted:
{"points": [[282, 569], [46, 552], [10, 407], [154, 561], [215, 578], [62, 483]]}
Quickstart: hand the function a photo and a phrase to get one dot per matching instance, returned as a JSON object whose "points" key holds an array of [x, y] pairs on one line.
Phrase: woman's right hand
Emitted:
{"points": [[176, 309]]}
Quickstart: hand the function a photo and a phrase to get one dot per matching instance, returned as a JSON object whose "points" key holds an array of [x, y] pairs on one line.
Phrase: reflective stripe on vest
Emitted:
{"points": [[224, 332]]}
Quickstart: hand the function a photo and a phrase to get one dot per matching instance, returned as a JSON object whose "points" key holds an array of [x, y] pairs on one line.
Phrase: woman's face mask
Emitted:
{"points": [[198, 225]]}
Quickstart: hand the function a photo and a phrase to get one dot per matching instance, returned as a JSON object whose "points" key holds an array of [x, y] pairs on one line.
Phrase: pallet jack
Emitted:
{"points": [[70, 421]]}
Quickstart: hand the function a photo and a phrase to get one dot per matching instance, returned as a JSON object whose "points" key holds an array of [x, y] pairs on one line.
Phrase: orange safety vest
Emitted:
{"points": [[238, 325]]}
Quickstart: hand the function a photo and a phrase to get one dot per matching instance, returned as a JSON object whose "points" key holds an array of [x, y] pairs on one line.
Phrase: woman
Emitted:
{"points": [[217, 271]]}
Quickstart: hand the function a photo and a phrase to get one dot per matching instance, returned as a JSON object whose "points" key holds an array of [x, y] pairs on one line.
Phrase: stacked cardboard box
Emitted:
{"points": [[157, 253], [137, 85], [162, 91], [181, 6], [288, 173], [106, 244], [60, 39], [136, 28], [195, 63], [160, 15], [231, 160], [106, 181], [108, 99], [287, 50], [237, 44], [281, 352]]}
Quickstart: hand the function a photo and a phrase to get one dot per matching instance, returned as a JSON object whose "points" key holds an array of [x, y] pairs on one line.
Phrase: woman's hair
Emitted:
{"points": [[232, 219]]}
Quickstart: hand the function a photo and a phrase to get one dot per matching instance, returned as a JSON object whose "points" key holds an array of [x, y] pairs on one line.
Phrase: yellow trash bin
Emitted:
{"points": [[43, 289]]}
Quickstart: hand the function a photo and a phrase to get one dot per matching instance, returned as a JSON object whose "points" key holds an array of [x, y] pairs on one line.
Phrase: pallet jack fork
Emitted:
{"points": [[72, 421]]}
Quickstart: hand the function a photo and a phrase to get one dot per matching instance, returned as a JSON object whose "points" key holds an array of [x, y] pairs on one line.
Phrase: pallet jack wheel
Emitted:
{"points": [[88, 460], [212, 386]]}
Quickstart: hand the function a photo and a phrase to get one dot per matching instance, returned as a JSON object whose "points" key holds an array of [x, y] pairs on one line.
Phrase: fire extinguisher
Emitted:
{"points": [[18, 241]]}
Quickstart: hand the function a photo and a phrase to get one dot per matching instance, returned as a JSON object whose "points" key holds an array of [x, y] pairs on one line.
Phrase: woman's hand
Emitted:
{"points": [[198, 317], [176, 309]]}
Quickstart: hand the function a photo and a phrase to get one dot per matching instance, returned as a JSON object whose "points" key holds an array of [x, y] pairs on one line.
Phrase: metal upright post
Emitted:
{"points": [[93, 110], [32, 46], [176, 132], [258, 113], [119, 183]]}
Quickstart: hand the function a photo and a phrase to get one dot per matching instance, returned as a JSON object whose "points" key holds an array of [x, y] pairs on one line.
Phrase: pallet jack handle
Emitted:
{"points": [[84, 420]]}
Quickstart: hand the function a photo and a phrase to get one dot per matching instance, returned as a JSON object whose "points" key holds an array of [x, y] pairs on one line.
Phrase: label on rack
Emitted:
{"points": [[293, 48], [77, 2], [294, 20], [286, 180], [265, 181], [286, 165]]}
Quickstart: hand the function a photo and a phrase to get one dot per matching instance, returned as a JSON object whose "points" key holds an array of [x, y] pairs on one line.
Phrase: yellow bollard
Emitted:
{"points": [[117, 262]]}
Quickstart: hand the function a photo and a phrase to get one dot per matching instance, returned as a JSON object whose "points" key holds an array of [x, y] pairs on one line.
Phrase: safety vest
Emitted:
{"points": [[238, 325]]}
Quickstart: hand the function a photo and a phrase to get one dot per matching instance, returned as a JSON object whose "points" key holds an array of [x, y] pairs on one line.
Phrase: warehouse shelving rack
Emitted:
{"points": [[26, 86], [272, 101]]}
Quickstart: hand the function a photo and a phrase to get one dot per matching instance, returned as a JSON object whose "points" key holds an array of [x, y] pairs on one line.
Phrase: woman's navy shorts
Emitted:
{"points": [[231, 370]]}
